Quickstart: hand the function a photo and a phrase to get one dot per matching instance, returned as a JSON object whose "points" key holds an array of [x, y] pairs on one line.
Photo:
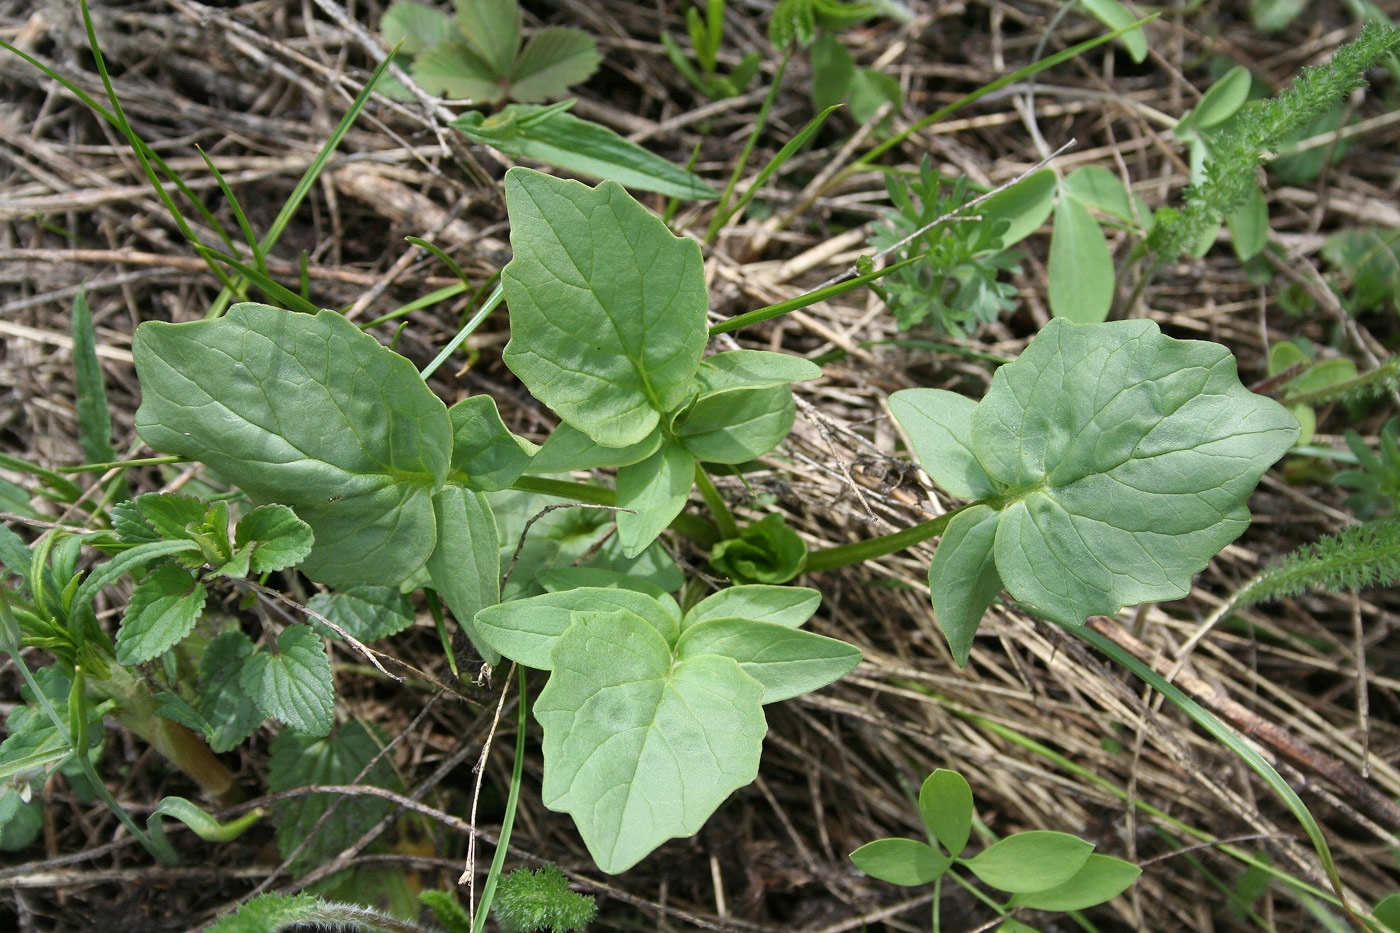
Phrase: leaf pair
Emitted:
{"points": [[608, 324], [1110, 463], [309, 411], [480, 55], [1043, 870], [652, 717]]}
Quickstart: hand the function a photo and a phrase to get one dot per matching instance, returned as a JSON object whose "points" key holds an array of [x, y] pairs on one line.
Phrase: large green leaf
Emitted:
{"points": [[640, 748], [656, 490], [554, 58], [737, 425], [1127, 457], [788, 662], [526, 131], [465, 567], [607, 306], [311, 412]]}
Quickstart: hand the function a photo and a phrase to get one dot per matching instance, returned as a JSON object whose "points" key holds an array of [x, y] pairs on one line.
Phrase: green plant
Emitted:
{"points": [[480, 54], [1376, 486], [837, 80], [1108, 464], [798, 20], [1366, 268], [705, 37], [765, 552], [540, 899], [273, 913], [1041, 870]]}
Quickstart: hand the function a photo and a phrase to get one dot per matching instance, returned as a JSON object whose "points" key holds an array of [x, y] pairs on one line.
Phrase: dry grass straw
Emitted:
{"points": [[258, 87]]}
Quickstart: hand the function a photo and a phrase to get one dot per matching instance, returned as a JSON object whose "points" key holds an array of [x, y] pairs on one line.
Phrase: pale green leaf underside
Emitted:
{"points": [[656, 489], [1129, 456], [311, 412], [294, 685], [753, 369], [568, 449], [788, 662], [638, 749], [162, 611], [939, 424], [1080, 266], [788, 606], [607, 306], [526, 630]]}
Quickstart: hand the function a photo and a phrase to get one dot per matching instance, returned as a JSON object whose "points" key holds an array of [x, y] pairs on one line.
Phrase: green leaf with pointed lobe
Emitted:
{"points": [[1134, 455], [607, 306], [963, 577], [789, 606], [788, 662], [939, 424], [308, 411], [162, 611], [465, 567], [639, 748], [294, 685]]}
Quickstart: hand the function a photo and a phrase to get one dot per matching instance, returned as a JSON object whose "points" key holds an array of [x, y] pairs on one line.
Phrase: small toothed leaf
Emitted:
{"points": [[224, 704], [294, 685], [162, 611], [278, 537]]}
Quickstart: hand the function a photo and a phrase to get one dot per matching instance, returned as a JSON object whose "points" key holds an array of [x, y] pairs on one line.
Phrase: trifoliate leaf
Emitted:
{"points": [[453, 69], [417, 25], [554, 59], [162, 611], [294, 685]]}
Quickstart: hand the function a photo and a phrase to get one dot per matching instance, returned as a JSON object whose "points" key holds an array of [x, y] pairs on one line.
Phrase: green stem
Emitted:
{"points": [[861, 551], [728, 528], [104, 467], [488, 891], [811, 298], [694, 527]]}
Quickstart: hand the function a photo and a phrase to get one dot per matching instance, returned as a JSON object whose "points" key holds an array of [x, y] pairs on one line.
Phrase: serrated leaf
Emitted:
{"points": [[465, 567], [604, 343], [279, 539], [1116, 16], [638, 748], [563, 140], [1032, 861], [307, 411], [162, 611], [788, 662], [231, 713], [906, 862], [568, 449], [294, 685], [788, 606], [526, 630], [171, 515], [752, 369], [417, 25], [300, 760], [738, 425], [945, 804], [939, 424], [554, 59], [963, 577], [1135, 454], [1080, 266], [656, 489], [367, 612], [130, 525], [485, 454], [1100, 880], [493, 29], [454, 69]]}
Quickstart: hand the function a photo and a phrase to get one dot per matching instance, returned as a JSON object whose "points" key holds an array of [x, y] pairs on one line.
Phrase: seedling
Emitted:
{"points": [[837, 80], [1376, 486], [1040, 869], [705, 38], [479, 55]]}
